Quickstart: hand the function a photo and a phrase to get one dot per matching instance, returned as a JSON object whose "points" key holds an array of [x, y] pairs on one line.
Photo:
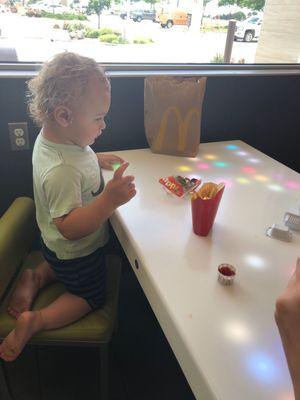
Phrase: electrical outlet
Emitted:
{"points": [[18, 134]]}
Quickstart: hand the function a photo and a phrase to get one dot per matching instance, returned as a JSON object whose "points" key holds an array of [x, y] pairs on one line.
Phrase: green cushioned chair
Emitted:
{"points": [[94, 329]]}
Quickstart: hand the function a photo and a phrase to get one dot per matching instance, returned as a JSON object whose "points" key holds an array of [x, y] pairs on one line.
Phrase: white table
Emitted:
{"points": [[225, 338]]}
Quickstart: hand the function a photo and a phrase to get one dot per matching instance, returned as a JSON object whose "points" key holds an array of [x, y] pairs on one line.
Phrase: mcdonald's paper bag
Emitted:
{"points": [[172, 114]]}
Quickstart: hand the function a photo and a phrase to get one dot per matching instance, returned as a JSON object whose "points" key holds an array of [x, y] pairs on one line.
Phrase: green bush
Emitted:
{"points": [[108, 31], [64, 16], [78, 26], [239, 15], [92, 33], [112, 38], [142, 41], [217, 59], [108, 38]]}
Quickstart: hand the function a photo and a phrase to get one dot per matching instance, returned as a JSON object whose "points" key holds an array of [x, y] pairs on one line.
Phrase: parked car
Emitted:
{"points": [[50, 7], [174, 17], [123, 14], [139, 15], [248, 29]]}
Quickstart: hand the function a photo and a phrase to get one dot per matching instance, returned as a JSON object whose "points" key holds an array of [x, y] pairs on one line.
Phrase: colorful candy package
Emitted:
{"points": [[178, 185]]}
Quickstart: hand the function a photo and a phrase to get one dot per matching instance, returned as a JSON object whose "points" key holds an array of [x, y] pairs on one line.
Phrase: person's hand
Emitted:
{"points": [[120, 189], [109, 161]]}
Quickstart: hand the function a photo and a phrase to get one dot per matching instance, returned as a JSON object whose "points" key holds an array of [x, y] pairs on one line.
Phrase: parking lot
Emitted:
{"points": [[35, 39]]}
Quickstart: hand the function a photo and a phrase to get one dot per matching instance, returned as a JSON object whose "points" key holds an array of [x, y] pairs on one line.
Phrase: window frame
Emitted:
{"points": [[28, 70]]}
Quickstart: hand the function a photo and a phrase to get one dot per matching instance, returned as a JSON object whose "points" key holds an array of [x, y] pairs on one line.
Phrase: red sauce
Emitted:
{"points": [[226, 271]]}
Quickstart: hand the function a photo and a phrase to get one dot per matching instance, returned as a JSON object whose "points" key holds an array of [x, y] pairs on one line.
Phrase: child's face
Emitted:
{"points": [[88, 120]]}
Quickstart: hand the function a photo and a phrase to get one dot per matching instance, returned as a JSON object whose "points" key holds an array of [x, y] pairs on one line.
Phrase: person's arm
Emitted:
{"points": [[287, 316], [83, 221]]}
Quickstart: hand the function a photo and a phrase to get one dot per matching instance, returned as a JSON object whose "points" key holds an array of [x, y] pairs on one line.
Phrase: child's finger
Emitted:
{"points": [[127, 179], [119, 172]]}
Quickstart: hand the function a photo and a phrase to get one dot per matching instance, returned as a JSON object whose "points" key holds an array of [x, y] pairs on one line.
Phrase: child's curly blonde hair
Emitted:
{"points": [[61, 81]]}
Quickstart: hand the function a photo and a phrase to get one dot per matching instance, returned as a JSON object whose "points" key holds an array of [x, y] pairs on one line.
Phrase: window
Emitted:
{"points": [[156, 31]]}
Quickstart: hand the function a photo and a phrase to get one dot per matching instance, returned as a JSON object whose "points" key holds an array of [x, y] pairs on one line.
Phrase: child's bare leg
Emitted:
{"points": [[27, 287], [63, 311], [287, 316]]}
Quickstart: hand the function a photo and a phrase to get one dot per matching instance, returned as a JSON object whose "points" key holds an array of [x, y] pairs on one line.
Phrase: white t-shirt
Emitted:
{"points": [[65, 177]]}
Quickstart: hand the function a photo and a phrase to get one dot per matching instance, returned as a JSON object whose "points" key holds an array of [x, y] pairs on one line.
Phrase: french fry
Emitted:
{"points": [[208, 190]]}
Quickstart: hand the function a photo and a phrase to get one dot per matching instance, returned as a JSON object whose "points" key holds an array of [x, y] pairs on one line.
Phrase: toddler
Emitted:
{"points": [[70, 98]]}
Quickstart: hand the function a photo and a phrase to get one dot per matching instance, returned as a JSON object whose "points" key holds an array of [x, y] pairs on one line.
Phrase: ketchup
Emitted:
{"points": [[226, 271]]}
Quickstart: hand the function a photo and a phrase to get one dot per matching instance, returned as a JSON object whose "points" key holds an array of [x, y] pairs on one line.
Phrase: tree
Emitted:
{"points": [[97, 6], [257, 5], [205, 2]]}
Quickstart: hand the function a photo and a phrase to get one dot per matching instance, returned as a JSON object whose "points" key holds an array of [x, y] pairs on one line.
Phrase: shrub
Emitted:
{"points": [[142, 40], [92, 33], [112, 38], [78, 26], [64, 16], [108, 38], [106, 31], [217, 59]]}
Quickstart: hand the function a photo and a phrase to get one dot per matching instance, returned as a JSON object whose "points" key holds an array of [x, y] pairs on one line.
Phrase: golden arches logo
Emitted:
{"points": [[182, 124]]}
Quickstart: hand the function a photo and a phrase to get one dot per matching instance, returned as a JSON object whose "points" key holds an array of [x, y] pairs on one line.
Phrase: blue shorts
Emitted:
{"points": [[82, 276]]}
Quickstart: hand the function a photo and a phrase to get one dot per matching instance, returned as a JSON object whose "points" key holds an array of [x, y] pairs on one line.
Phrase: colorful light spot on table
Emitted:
{"points": [[249, 170], [243, 181], [275, 188], [292, 185], [241, 153], [210, 157], [261, 178], [254, 160], [231, 147], [221, 164], [278, 177], [262, 367], [184, 168], [115, 166], [202, 166], [237, 332]]}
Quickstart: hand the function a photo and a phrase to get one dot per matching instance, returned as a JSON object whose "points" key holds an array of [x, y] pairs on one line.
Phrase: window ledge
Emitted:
{"points": [[25, 70]]}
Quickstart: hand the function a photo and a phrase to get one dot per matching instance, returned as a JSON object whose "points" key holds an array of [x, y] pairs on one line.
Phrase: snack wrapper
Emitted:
{"points": [[205, 203], [178, 185]]}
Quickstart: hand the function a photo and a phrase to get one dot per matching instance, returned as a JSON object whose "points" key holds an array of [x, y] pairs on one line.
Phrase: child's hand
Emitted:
{"points": [[109, 161], [120, 189]]}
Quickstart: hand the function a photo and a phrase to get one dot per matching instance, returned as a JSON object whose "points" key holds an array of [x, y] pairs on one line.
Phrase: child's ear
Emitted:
{"points": [[63, 116]]}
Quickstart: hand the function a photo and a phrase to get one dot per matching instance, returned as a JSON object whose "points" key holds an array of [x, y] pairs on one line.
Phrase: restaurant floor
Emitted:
{"points": [[142, 365]]}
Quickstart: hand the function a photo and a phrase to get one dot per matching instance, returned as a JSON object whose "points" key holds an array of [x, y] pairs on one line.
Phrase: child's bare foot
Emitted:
{"points": [[27, 325], [24, 293]]}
